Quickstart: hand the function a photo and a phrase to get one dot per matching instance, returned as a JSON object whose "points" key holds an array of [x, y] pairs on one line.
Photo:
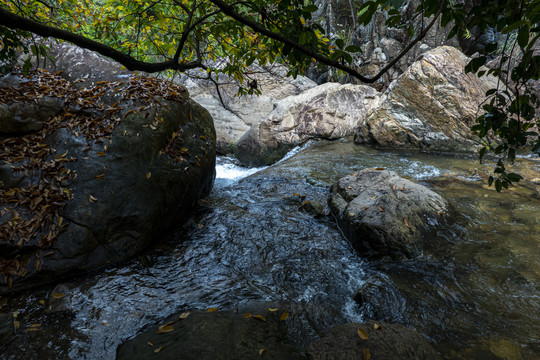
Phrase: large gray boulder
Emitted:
{"points": [[431, 106], [329, 111], [382, 214], [234, 115], [383, 341], [102, 180], [253, 332]]}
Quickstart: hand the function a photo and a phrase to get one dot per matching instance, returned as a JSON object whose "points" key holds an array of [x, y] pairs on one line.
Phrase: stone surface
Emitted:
{"points": [[382, 214], [125, 189], [6, 327], [330, 111], [236, 114], [389, 341], [221, 335], [430, 107]]}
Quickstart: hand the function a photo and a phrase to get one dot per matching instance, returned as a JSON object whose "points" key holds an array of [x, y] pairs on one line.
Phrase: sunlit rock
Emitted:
{"points": [[431, 106], [330, 111]]}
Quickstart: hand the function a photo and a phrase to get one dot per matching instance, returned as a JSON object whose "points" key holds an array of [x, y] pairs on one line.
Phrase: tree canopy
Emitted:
{"points": [[158, 35]]}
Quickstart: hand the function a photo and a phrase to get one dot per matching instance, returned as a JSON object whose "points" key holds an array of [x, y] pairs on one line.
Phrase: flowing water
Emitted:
{"points": [[474, 293]]}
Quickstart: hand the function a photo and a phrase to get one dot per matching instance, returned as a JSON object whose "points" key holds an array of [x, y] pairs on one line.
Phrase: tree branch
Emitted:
{"points": [[14, 21]]}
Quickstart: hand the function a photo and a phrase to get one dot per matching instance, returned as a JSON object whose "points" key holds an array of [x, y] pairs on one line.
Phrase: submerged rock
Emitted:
{"points": [[103, 179], [330, 111], [378, 341], [254, 332], [431, 106], [6, 327], [382, 214]]}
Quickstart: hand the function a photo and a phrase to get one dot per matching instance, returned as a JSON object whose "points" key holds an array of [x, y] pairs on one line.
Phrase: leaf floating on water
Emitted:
{"points": [[406, 222], [16, 324], [165, 329], [247, 315], [184, 315], [259, 317], [272, 309], [159, 349], [42, 302], [367, 354], [284, 316], [101, 153], [100, 176], [148, 174], [379, 168], [58, 295], [362, 333], [261, 352], [376, 326], [92, 199], [211, 310], [106, 323]]}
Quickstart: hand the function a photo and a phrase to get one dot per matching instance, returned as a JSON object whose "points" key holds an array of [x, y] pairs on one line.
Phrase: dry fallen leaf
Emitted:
{"points": [[406, 222], [259, 317], [150, 343], [148, 174], [379, 168], [211, 310], [262, 351], [272, 309], [58, 295], [367, 354], [159, 349], [381, 208], [101, 153], [165, 329], [184, 315], [284, 316], [247, 316], [376, 326], [362, 333], [16, 324], [92, 199], [42, 302]]}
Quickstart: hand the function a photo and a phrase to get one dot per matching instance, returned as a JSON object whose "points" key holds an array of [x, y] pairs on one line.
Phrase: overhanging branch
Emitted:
{"points": [[13, 21]]}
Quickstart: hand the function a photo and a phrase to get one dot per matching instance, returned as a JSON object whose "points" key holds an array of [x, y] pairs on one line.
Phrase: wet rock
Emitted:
{"points": [[388, 341], [221, 335], [19, 117], [125, 188], [382, 214], [330, 111], [236, 114], [431, 106], [6, 328]]}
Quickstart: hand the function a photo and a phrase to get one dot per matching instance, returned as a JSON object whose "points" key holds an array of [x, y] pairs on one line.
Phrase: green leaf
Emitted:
{"points": [[523, 37], [340, 43], [353, 49]]}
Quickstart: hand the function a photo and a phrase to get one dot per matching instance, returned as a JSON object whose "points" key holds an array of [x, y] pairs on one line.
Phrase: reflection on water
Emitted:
{"points": [[473, 295]]}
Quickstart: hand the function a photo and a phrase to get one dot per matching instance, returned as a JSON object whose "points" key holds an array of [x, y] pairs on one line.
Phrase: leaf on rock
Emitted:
{"points": [[367, 354], [184, 315], [211, 309], [284, 316], [381, 209], [100, 176], [58, 295], [165, 329], [406, 222], [101, 153], [272, 309], [259, 317], [42, 302], [362, 333], [379, 168], [92, 199]]}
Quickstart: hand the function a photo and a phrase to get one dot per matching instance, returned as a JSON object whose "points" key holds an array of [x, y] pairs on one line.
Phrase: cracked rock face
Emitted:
{"points": [[330, 111], [137, 166], [431, 106], [382, 214]]}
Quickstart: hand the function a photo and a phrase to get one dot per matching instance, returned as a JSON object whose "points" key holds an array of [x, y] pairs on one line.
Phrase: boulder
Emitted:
{"points": [[220, 335], [329, 111], [234, 115], [431, 106], [383, 341], [103, 179], [382, 214]]}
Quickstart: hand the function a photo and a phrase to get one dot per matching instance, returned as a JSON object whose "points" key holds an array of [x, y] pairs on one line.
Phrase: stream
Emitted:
{"points": [[474, 293]]}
